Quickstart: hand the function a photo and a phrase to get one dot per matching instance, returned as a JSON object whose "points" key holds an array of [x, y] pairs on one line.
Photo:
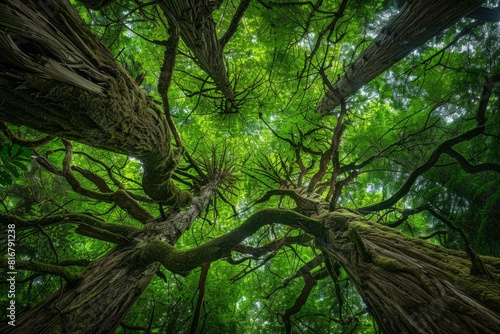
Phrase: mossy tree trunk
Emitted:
{"points": [[60, 79], [98, 301], [95, 304], [410, 285]]}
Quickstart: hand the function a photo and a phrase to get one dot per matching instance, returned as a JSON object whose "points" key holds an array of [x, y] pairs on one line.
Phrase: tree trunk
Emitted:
{"points": [[410, 285], [95, 304], [111, 285], [60, 79], [417, 22], [197, 30]]}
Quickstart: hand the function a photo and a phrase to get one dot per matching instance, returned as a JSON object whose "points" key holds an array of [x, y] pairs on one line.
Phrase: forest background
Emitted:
{"points": [[250, 166]]}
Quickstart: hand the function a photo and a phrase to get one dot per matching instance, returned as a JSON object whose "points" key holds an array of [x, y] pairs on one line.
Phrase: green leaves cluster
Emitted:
{"points": [[14, 160]]}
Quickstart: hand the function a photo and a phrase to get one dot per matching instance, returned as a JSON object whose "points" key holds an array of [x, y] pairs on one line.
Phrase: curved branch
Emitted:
{"points": [[201, 297], [310, 282], [45, 268], [405, 188], [136, 328], [88, 226], [332, 153], [468, 167], [94, 178], [121, 198], [306, 204], [433, 234], [257, 252], [444, 147], [407, 213], [27, 143], [167, 70], [185, 260]]}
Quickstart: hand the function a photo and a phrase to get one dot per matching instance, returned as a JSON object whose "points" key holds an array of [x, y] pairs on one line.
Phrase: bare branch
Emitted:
{"points": [[120, 197], [201, 296], [233, 26], [442, 148]]}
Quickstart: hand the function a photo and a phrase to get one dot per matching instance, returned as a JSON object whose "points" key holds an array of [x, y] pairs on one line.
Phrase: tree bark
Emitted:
{"points": [[197, 30], [417, 22], [410, 285], [71, 87], [60, 79], [95, 304], [111, 285]]}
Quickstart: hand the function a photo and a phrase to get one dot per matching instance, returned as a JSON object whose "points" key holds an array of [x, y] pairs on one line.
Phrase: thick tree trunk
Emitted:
{"points": [[111, 285], [417, 22], [410, 285], [95, 304], [197, 30], [56, 77]]}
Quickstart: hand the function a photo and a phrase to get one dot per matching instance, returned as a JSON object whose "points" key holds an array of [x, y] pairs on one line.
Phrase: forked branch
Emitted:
{"points": [[445, 147]]}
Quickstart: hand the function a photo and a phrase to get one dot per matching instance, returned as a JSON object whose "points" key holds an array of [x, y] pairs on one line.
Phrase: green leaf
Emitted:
{"points": [[15, 148], [25, 153], [5, 178], [5, 150], [12, 169], [20, 165]]}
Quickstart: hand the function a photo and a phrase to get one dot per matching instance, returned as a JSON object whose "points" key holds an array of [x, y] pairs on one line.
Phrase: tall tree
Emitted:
{"points": [[335, 200]]}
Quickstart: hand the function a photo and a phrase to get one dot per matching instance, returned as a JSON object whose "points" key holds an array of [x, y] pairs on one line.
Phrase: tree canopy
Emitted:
{"points": [[239, 166]]}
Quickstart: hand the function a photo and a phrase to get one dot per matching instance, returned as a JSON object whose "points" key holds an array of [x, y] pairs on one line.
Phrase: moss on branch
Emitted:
{"points": [[44, 268], [185, 260]]}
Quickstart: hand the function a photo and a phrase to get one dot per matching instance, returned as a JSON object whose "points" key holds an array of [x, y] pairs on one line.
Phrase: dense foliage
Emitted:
{"points": [[267, 146]]}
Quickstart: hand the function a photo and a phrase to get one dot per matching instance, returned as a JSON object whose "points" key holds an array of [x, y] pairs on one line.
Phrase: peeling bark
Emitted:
{"points": [[95, 304], [197, 30], [110, 286]]}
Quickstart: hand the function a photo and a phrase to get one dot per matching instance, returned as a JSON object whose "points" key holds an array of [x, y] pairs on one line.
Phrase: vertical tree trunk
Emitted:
{"points": [[110, 286], [417, 22], [410, 285]]}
